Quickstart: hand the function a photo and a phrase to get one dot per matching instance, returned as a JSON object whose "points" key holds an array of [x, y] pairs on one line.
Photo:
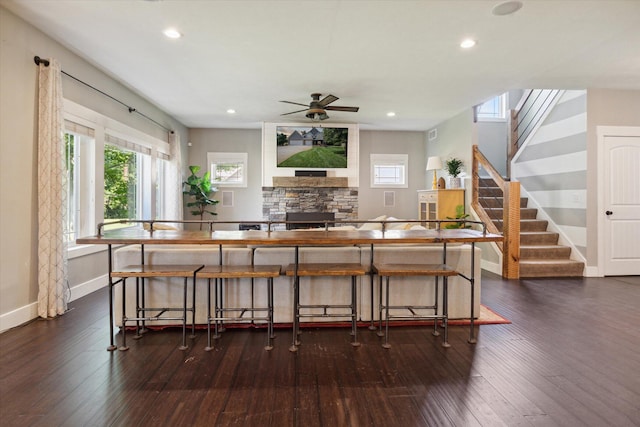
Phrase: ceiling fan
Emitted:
{"points": [[317, 108]]}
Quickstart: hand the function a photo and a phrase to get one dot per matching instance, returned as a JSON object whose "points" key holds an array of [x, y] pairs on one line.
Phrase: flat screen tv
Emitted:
{"points": [[312, 147]]}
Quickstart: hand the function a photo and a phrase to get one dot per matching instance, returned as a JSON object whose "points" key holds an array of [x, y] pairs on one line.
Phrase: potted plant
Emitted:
{"points": [[454, 168], [460, 215], [199, 189]]}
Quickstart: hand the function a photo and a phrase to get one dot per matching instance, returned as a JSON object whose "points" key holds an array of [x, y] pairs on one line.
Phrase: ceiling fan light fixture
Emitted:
{"points": [[317, 107]]}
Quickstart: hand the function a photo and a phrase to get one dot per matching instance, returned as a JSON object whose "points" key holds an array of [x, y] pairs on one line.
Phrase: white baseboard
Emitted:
{"points": [[492, 267], [592, 272], [86, 288], [18, 316], [29, 312]]}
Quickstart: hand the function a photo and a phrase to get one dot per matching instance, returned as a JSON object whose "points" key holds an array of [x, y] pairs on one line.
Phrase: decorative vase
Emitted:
{"points": [[455, 182]]}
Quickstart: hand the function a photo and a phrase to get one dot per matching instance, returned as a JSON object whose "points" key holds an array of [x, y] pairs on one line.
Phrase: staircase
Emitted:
{"points": [[540, 254]]}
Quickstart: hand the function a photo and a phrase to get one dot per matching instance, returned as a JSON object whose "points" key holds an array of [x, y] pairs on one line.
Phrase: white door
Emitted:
{"points": [[621, 203]]}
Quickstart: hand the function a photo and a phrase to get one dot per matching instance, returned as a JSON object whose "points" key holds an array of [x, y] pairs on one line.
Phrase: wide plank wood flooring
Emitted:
{"points": [[571, 357]]}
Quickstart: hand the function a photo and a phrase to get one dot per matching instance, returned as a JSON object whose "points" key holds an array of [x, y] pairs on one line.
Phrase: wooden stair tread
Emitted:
{"points": [[540, 255]]}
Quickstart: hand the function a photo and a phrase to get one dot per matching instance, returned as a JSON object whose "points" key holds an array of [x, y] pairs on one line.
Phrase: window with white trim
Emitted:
{"points": [[113, 172], [80, 161], [389, 170], [228, 169], [493, 110]]}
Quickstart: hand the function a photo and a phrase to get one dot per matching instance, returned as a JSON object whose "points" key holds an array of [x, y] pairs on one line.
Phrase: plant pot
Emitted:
{"points": [[455, 182]]}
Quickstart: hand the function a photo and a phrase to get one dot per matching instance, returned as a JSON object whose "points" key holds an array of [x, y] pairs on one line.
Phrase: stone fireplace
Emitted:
{"points": [[306, 196]]}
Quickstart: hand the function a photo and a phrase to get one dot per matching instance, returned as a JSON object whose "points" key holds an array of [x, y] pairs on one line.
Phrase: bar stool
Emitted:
{"points": [[222, 313], [323, 269], [416, 311], [142, 272]]}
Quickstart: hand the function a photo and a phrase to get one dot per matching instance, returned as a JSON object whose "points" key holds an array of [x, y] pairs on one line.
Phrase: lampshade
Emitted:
{"points": [[434, 163]]}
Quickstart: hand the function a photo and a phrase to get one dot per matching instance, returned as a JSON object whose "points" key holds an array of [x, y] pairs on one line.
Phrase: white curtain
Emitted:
{"points": [[52, 194], [173, 197]]}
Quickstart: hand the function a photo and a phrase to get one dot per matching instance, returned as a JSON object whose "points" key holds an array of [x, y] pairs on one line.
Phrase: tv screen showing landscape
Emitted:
{"points": [[311, 147]]}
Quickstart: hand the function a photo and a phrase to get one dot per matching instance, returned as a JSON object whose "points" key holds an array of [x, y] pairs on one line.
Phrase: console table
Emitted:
{"points": [[295, 239]]}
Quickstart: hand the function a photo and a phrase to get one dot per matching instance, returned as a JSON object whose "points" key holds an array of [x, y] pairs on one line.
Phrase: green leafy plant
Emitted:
{"points": [[199, 189], [459, 215], [454, 166]]}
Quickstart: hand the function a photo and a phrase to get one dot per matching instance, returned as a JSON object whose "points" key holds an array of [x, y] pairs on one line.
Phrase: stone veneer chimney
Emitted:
{"points": [[277, 201]]}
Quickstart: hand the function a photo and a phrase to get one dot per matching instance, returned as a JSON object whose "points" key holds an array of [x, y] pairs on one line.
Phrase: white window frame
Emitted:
{"points": [[501, 114], [398, 161], [222, 157], [91, 182]]}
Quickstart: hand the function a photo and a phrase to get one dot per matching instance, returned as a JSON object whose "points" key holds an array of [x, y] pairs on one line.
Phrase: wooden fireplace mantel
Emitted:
{"points": [[311, 181]]}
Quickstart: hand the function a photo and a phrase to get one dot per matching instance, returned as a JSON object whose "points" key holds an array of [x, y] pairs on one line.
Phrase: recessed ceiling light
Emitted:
{"points": [[391, 114], [172, 33], [231, 111], [467, 43], [506, 8]]}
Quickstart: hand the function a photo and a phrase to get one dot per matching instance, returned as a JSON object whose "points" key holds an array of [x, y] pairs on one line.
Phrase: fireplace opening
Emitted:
{"points": [[306, 219]]}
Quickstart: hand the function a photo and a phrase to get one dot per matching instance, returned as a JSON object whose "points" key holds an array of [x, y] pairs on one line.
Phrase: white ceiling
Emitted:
{"points": [[382, 56]]}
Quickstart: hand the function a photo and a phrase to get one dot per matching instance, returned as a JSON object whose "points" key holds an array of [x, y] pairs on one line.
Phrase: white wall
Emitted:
{"points": [[604, 108], [20, 42]]}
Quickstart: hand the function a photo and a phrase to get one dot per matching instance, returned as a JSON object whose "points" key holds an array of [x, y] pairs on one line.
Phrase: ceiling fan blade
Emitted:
{"points": [[296, 103], [293, 112], [336, 108], [327, 100]]}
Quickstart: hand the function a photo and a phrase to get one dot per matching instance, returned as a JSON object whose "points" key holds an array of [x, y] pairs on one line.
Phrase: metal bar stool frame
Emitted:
{"points": [[406, 270], [298, 270], [219, 274], [142, 272]]}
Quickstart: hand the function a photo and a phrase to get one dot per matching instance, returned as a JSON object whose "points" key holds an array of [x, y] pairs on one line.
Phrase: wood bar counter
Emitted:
{"points": [[291, 238]]}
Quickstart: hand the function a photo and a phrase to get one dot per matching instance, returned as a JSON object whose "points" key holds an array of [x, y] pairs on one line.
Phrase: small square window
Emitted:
{"points": [[389, 170], [494, 109], [228, 169]]}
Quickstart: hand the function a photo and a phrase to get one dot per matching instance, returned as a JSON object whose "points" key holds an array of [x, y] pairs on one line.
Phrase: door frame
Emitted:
{"points": [[602, 132]]}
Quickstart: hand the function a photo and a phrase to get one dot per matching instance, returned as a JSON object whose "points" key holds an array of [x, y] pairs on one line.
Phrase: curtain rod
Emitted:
{"points": [[45, 62]]}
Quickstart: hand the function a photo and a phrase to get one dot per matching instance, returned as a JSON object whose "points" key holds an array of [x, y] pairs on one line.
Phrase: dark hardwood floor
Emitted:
{"points": [[571, 357]]}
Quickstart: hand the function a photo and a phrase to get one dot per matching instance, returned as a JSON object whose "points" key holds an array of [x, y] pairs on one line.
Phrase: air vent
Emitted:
{"points": [[227, 199], [389, 199], [432, 135]]}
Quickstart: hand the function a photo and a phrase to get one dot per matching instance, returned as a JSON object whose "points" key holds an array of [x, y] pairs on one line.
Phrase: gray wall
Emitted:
{"points": [[493, 136], [370, 200], [248, 201], [20, 42], [456, 137]]}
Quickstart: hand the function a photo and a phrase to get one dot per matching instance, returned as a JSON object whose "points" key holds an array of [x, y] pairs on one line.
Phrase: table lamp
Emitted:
{"points": [[434, 163]]}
